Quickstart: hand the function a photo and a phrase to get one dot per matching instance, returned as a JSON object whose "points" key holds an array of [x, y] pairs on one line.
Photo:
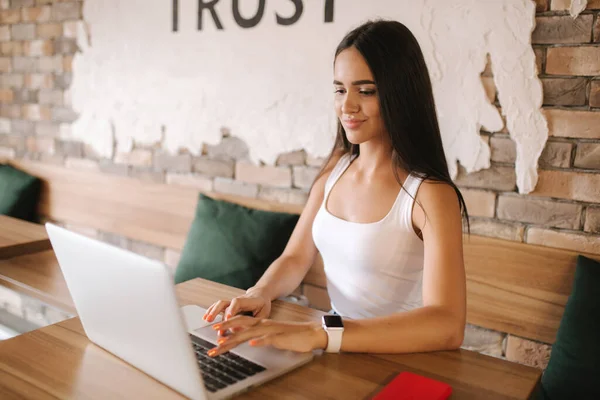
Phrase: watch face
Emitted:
{"points": [[333, 321]]}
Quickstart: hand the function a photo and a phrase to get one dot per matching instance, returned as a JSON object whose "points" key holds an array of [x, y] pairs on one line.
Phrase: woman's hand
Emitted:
{"points": [[254, 301], [295, 336]]}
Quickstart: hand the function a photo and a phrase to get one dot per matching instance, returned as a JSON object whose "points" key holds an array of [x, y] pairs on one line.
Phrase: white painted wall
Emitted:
{"points": [[136, 80]]}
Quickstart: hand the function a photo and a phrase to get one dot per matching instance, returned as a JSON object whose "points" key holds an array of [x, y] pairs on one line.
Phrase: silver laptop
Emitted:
{"points": [[127, 305]]}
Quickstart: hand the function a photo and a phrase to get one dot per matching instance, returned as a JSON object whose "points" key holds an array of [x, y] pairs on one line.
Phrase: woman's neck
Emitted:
{"points": [[375, 157]]}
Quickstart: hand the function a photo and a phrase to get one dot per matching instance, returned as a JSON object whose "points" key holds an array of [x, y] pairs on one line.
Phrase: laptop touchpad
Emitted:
{"points": [[207, 333]]}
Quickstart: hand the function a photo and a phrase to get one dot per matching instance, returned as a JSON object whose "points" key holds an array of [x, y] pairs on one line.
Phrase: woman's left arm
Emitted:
{"points": [[438, 325]]}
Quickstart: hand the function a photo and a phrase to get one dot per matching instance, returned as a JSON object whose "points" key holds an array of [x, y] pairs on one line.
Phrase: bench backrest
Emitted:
{"points": [[512, 287]]}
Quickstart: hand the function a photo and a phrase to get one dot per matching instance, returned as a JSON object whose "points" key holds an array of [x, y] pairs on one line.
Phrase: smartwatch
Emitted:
{"points": [[334, 327]]}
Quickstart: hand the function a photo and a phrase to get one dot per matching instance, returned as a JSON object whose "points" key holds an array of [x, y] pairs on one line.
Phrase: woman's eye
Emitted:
{"points": [[367, 92], [339, 91]]}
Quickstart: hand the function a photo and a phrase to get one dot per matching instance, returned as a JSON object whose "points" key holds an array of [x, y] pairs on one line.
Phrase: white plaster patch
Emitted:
{"points": [[137, 81], [577, 6]]}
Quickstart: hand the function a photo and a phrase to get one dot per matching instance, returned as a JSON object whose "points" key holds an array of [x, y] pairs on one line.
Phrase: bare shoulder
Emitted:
{"points": [[319, 184], [437, 203], [435, 193]]}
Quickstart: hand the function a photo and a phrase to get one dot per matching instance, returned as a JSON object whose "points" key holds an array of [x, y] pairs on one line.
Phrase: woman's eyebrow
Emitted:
{"points": [[356, 83]]}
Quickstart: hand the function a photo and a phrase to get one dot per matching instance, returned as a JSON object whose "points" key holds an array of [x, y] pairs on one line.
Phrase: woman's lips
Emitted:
{"points": [[352, 123]]}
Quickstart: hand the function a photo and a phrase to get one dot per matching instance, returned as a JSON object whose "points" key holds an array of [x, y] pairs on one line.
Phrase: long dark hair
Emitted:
{"points": [[406, 102]]}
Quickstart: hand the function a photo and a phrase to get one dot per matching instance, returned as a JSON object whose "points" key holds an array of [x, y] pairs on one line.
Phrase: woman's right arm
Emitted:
{"points": [[286, 273]]}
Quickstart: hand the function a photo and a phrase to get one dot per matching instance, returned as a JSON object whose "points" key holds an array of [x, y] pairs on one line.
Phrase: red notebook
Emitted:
{"points": [[409, 386]]}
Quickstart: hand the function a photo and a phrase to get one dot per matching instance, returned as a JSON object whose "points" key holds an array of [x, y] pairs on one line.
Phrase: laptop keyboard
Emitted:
{"points": [[223, 370]]}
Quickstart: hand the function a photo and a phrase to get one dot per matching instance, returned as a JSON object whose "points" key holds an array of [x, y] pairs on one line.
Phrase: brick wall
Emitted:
{"points": [[563, 211], [37, 46]]}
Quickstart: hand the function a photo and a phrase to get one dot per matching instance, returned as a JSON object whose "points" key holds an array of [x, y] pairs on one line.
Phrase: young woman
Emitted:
{"points": [[383, 213]]}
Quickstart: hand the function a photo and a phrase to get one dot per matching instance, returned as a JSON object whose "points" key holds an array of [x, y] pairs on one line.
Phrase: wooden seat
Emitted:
{"points": [[21, 237], [512, 287], [518, 288], [37, 275]]}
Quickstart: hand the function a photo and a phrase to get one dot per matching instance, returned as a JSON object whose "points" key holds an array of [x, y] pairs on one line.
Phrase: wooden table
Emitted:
{"points": [[18, 237], [59, 361]]}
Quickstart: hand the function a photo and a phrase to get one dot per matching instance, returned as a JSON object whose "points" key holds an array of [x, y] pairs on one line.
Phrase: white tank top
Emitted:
{"points": [[372, 269]]}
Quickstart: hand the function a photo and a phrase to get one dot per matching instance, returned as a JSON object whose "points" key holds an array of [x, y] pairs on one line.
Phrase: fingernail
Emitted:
{"points": [[212, 352], [221, 341], [253, 342], [228, 316], [216, 327]]}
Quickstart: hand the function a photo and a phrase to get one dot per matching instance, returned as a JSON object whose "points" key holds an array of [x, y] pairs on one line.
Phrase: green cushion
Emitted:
{"points": [[232, 244], [574, 366], [19, 193]]}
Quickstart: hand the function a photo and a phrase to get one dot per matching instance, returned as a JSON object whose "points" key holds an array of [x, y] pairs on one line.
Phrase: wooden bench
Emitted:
{"points": [[21, 237], [512, 287]]}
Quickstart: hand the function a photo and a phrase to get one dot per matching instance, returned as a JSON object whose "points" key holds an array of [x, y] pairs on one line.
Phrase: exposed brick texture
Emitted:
{"points": [[263, 175], [573, 124], [202, 183], [539, 211], [592, 220], [562, 29], [569, 185], [576, 241], [480, 203], [588, 156], [527, 352], [573, 60]]}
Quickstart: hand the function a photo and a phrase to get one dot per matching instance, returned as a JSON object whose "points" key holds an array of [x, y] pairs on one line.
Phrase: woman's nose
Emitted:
{"points": [[350, 105]]}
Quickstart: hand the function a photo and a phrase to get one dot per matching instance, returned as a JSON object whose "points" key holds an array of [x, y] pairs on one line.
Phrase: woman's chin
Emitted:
{"points": [[355, 139]]}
